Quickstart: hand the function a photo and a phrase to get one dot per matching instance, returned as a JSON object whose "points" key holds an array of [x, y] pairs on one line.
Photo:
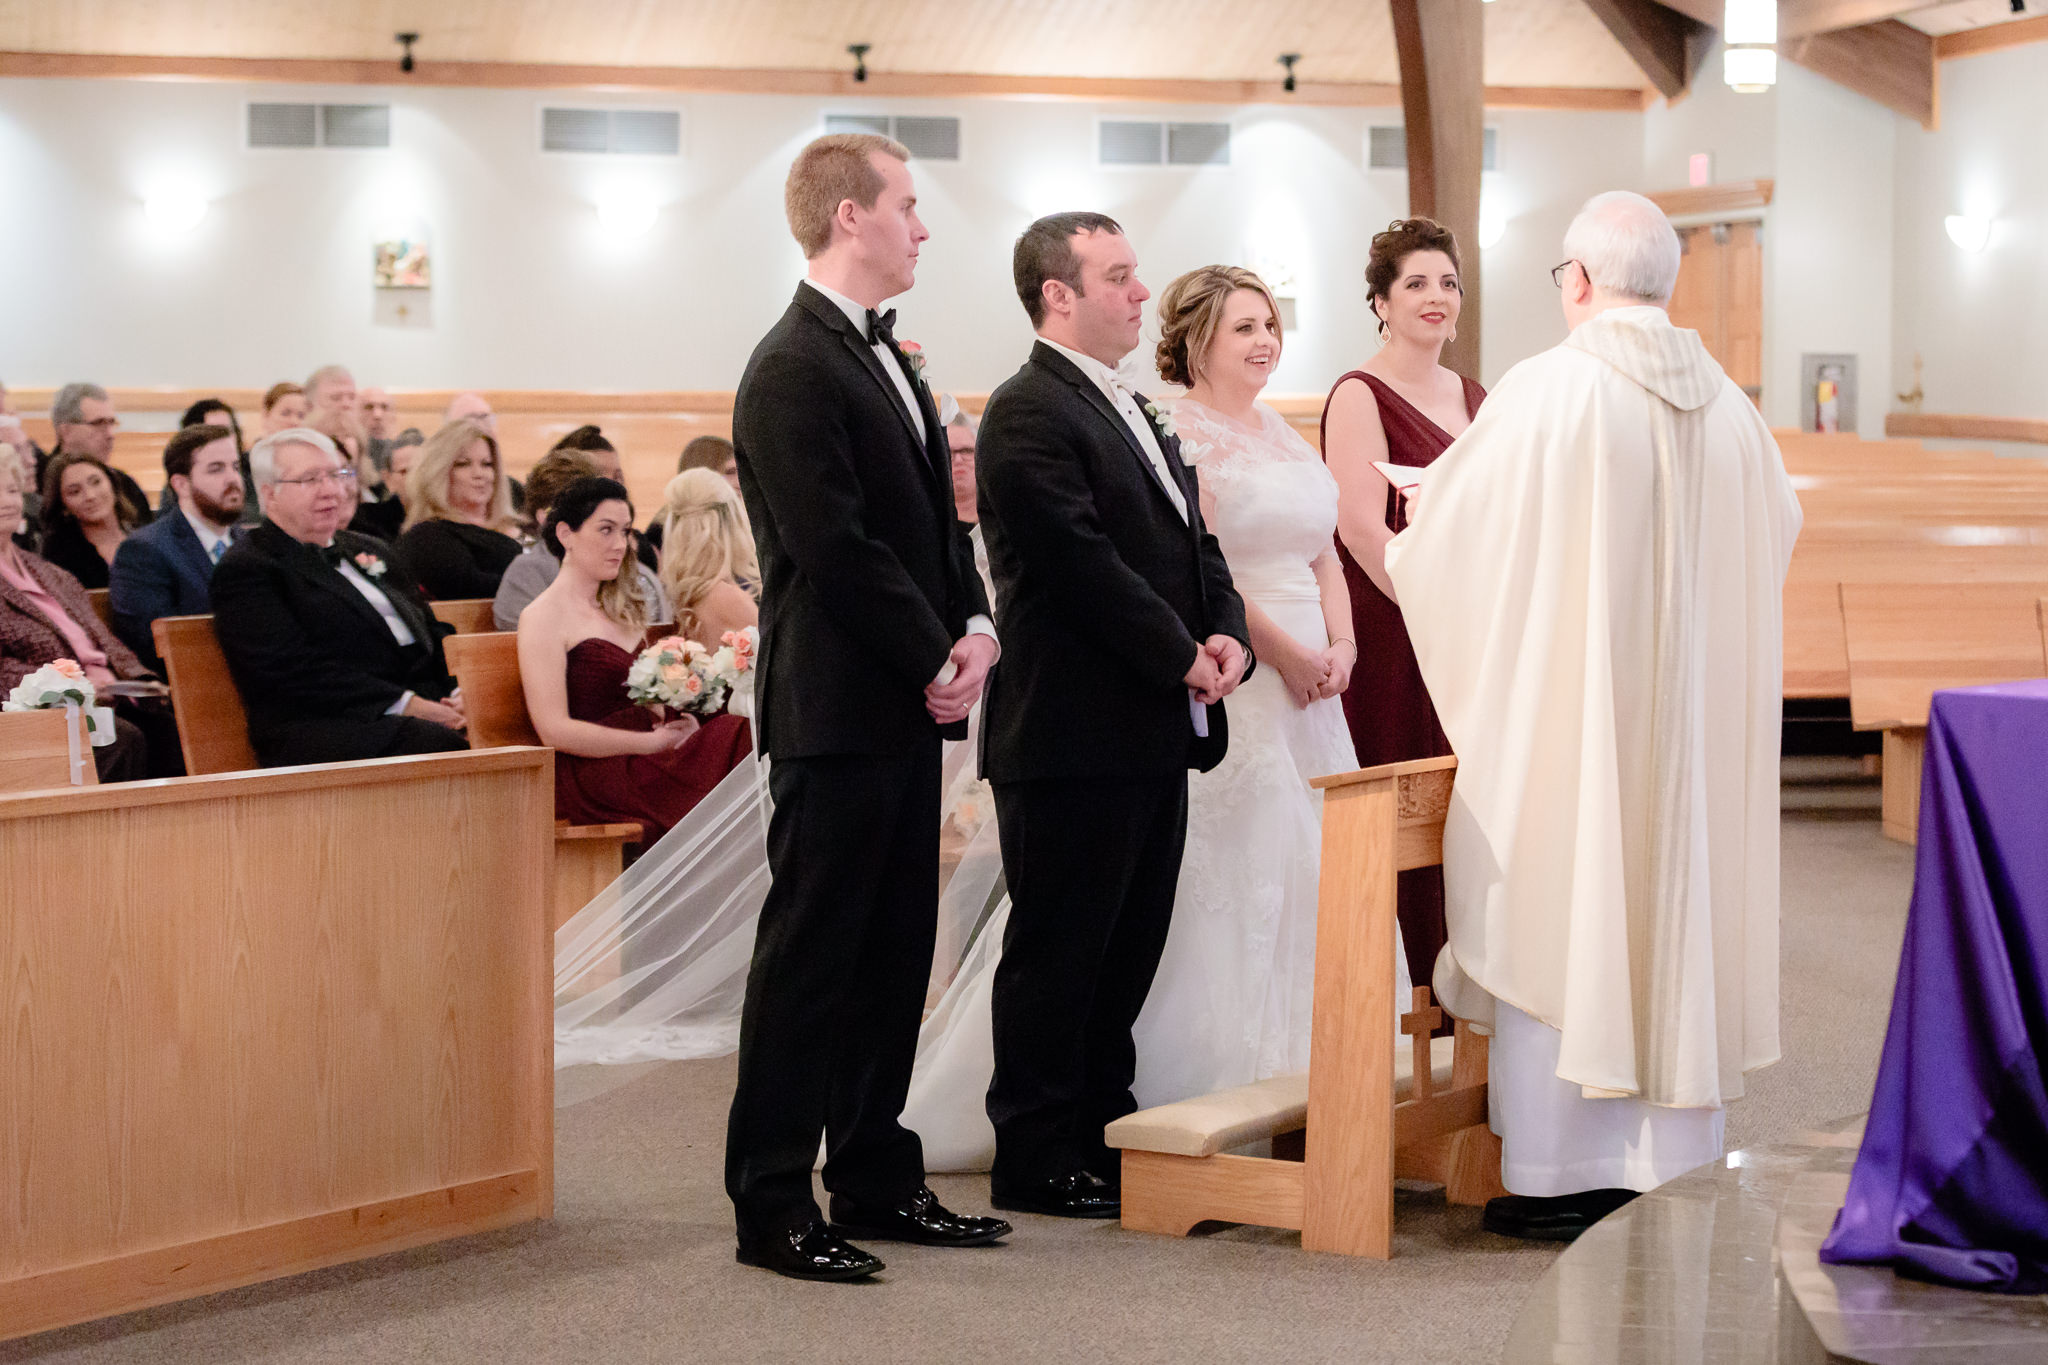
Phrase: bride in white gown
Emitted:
{"points": [[1231, 1001]]}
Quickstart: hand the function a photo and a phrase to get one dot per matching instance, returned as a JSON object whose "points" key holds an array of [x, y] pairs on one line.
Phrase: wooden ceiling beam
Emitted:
{"points": [[1890, 62], [1441, 46], [725, 80], [1667, 45], [1805, 18]]}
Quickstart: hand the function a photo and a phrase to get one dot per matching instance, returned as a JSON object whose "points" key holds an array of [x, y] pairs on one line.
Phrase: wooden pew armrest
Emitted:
{"points": [[629, 832]]}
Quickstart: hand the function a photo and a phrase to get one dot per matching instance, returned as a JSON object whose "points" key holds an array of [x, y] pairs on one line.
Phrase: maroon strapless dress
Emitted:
{"points": [[657, 790], [1386, 705]]}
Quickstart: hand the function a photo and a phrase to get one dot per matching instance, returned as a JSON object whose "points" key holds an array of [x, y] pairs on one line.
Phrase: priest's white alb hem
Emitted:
{"points": [[1556, 1141]]}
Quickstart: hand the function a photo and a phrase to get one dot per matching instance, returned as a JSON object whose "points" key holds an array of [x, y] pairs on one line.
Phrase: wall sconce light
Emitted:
{"points": [[1968, 232], [174, 210], [626, 216], [1750, 29], [1493, 225]]}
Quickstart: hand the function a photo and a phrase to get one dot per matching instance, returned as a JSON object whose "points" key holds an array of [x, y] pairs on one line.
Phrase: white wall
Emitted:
{"points": [[1979, 321], [530, 293]]}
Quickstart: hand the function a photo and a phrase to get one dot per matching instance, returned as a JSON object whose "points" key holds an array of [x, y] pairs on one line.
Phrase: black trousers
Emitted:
{"points": [[836, 991], [328, 740], [1092, 868]]}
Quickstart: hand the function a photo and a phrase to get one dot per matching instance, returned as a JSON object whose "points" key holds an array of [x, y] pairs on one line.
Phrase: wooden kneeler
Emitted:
{"points": [[1345, 1131]]}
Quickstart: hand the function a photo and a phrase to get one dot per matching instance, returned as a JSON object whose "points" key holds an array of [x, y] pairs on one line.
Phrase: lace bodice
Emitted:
{"points": [[1275, 501]]}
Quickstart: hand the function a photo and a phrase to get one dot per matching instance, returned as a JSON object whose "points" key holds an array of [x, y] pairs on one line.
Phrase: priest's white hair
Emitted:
{"points": [[1626, 246], [263, 455]]}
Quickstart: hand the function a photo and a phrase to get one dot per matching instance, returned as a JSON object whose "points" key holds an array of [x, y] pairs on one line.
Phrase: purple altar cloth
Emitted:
{"points": [[1951, 1183]]}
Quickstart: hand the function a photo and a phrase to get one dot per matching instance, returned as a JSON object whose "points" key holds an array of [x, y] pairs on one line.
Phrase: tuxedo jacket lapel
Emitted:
{"points": [[828, 313], [1096, 399]]}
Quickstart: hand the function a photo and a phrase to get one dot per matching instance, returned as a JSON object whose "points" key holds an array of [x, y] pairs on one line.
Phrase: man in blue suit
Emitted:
{"points": [[164, 568]]}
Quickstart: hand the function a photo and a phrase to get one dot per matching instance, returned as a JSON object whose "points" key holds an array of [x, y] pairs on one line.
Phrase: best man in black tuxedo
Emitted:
{"points": [[874, 642], [1122, 634], [335, 653]]}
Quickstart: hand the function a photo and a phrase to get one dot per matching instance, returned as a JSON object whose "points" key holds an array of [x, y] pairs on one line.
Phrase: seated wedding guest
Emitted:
{"points": [[708, 565], [213, 412], [961, 431], [84, 419], [385, 519], [703, 452], [589, 440], [614, 761], [45, 616], [284, 407], [331, 407], [536, 567], [12, 433], [459, 521], [86, 516], [164, 568], [334, 651], [475, 408], [380, 423]]}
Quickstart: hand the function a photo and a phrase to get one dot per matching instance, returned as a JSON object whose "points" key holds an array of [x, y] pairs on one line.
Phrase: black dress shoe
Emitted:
{"points": [[808, 1251], [1078, 1194], [1560, 1218], [922, 1219]]}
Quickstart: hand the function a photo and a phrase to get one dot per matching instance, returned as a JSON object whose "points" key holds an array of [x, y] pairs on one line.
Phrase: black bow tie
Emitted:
{"points": [[332, 554], [881, 327]]}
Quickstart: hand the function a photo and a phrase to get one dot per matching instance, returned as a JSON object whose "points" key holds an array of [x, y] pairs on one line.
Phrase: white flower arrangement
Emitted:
{"points": [[1162, 418], [58, 685], [689, 678]]}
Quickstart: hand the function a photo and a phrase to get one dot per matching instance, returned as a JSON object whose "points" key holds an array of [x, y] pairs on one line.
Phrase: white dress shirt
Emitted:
{"points": [[400, 631], [1123, 398], [857, 314]]}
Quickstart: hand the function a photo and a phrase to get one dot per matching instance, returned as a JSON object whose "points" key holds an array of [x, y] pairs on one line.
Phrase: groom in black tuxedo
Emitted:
{"points": [[1123, 635], [875, 640]]}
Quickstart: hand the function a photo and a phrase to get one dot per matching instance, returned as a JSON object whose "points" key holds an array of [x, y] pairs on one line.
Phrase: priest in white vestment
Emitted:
{"points": [[1592, 581]]}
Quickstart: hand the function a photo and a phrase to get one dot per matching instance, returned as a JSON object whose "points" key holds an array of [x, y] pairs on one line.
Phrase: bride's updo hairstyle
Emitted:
{"points": [[1402, 239], [1190, 311], [624, 598]]}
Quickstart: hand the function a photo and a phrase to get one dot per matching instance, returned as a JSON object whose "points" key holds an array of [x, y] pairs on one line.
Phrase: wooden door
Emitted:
{"points": [[1720, 294]]}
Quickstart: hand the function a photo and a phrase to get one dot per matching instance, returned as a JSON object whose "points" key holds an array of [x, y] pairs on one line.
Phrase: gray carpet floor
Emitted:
{"points": [[637, 1263]]}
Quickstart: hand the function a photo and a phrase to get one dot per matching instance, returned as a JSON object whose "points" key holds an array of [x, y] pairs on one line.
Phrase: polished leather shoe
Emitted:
{"points": [[808, 1251], [921, 1219], [1557, 1219], [1078, 1194]]}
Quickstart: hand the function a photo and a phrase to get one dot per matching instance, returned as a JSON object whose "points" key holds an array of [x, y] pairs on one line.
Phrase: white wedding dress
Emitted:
{"points": [[1231, 1000]]}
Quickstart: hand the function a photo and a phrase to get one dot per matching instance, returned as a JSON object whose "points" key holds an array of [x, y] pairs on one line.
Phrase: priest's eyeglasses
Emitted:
{"points": [[1557, 272]]}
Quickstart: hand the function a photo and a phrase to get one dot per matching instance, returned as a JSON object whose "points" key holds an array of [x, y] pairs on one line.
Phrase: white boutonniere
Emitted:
{"points": [[913, 353], [371, 565], [1162, 418]]}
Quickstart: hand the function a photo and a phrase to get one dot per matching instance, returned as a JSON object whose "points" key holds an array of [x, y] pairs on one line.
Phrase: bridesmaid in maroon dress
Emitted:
{"points": [[613, 761], [1402, 407]]}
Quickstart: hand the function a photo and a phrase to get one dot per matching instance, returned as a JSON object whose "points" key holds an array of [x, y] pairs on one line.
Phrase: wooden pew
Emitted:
{"points": [[469, 615], [1906, 641], [101, 605], [213, 729], [588, 858], [1358, 1127], [264, 1022], [35, 752]]}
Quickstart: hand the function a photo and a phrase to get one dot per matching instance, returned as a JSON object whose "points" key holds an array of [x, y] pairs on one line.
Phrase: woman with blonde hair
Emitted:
{"points": [[708, 566], [459, 520]]}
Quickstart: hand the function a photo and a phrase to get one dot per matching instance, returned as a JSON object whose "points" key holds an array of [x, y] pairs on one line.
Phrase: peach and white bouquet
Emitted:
{"points": [[62, 685], [689, 678]]}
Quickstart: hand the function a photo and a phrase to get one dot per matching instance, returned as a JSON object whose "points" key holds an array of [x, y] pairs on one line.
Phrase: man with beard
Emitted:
{"points": [[164, 568]]}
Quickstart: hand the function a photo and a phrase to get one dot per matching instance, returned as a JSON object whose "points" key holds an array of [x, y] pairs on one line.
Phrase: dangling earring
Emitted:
{"points": [[1453, 336]]}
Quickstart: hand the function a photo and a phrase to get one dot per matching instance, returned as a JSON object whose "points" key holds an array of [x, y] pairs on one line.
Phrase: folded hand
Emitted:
{"points": [[949, 697]]}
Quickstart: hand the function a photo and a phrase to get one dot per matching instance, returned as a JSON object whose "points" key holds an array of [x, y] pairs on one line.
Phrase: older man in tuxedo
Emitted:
{"points": [[874, 642], [336, 654], [164, 568]]}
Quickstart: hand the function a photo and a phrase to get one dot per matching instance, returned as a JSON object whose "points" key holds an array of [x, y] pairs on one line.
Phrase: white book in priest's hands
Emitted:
{"points": [[1402, 475]]}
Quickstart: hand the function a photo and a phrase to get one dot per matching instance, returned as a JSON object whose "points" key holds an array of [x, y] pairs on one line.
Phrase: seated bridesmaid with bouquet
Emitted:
{"points": [[578, 639]]}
